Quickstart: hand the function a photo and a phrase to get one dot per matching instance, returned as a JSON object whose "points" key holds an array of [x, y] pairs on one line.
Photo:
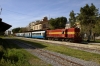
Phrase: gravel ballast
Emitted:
{"points": [[45, 58]]}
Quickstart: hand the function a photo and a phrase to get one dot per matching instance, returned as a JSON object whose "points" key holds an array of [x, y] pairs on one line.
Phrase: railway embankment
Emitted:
{"points": [[62, 49], [90, 47]]}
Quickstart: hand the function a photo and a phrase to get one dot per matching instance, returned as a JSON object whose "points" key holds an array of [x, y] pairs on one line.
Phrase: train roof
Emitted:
{"points": [[34, 30]]}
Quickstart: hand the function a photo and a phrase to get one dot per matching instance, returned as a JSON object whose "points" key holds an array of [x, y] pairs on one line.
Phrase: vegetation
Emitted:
{"points": [[67, 51], [96, 28], [18, 29], [58, 22], [97, 41], [88, 18], [12, 55], [72, 18]]}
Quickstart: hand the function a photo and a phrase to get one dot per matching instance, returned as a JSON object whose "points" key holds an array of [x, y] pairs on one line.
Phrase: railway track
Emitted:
{"points": [[85, 47], [60, 61], [53, 58]]}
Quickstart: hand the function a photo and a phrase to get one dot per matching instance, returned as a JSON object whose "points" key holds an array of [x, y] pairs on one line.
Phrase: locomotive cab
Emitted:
{"points": [[73, 34]]}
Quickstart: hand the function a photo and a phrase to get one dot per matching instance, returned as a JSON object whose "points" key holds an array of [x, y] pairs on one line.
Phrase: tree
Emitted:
{"points": [[57, 22], [97, 26], [72, 18], [62, 22], [87, 17], [16, 30], [23, 29], [52, 23]]}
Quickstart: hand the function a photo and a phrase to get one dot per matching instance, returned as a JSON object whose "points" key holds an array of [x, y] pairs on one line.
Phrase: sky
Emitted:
{"points": [[19, 13]]}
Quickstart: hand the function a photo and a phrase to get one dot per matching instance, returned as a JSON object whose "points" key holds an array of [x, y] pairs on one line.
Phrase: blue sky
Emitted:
{"points": [[19, 13]]}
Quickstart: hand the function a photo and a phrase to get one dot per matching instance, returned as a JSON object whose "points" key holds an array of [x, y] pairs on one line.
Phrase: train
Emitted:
{"points": [[70, 34]]}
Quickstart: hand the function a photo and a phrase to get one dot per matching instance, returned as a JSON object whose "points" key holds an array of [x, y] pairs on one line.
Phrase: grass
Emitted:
{"points": [[12, 55], [92, 41], [97, 40], [67, 51]]}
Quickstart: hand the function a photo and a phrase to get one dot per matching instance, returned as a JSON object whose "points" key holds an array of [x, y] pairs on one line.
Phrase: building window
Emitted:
{"points": [[40, 27], [44, 25]]}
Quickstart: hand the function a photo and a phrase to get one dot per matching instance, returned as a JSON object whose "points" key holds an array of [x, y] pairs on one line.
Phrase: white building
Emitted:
{"points": [[67, 26]]}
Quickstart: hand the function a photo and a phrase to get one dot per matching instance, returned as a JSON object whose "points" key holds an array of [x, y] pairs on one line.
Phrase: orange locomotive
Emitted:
{"points": [[70, 34]]}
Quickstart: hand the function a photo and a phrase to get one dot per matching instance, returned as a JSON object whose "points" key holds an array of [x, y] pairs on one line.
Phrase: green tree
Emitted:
{"points": [[62, 22], [16, 30], [87, 17], [72, 18], [97, 26], [52, 23], [57, 22], [23, 29]]}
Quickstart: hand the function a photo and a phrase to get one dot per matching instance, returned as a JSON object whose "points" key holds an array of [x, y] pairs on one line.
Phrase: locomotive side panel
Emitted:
{"points": [[70, 33], [58, 33]]}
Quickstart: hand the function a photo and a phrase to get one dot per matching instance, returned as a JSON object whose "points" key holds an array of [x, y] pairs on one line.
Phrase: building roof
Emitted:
{"points": [[4, 26]]}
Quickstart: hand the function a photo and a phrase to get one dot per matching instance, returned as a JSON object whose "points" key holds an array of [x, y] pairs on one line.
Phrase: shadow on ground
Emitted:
{"points": [[11, 43]]}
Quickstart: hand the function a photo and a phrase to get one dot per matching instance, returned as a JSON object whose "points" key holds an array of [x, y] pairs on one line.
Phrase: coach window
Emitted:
{"points": [[32, 33], [43, 34], [39, 33]]}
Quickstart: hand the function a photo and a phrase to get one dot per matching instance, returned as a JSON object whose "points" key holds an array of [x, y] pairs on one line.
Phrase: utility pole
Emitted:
{"points": [[0, 10]]}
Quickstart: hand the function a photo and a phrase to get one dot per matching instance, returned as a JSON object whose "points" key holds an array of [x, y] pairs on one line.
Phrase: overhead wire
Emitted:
{"points": [[31, 16], [18, 12]]}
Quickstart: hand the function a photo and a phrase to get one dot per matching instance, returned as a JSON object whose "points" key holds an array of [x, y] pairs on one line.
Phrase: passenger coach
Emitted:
{"points": [[38, 34]]}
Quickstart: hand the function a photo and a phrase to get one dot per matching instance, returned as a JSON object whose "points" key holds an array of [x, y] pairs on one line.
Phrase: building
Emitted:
{"points": [[39, 24], [30, 26], [78, 24], [4, 26], [67, 25]]}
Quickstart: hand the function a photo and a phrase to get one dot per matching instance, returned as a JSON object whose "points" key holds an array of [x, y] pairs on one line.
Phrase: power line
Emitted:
{"points": [[18, 12], [0, 11]]}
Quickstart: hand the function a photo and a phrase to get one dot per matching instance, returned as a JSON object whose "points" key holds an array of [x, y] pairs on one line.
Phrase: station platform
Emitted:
{"points": [[4, 26]]}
